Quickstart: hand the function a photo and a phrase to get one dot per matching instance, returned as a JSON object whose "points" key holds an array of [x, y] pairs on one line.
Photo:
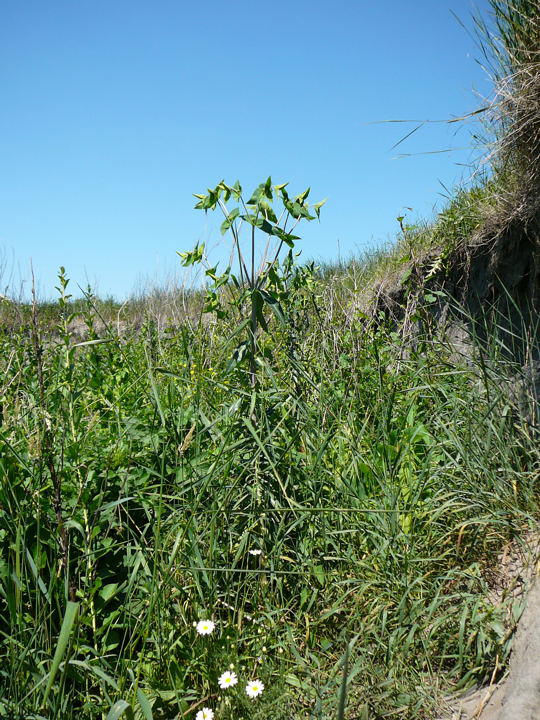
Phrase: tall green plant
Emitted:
{"points": [[251, 283]]}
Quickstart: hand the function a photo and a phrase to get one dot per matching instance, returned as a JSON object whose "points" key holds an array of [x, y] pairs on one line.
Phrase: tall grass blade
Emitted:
{"points": [[63, 640], [343, 688]]}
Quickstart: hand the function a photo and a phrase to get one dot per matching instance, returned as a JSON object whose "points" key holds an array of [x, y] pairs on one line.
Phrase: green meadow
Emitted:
{"points": [[268, 496]]}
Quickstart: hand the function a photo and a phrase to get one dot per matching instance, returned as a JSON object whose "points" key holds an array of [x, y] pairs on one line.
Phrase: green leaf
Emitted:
{"points": [[115, 503], [226, 224], [212, 272], [271, 300], [96, 671], [37, 576], [265, 226], [238, 355], [287, 238], [257, 195], [317, 207], [209, 202], [192, 257], [93, 342], [261, 223], [118, 709], [297, 210], [72, 609], [295, 681], [237, 190], [226, 190], [406, 275], [344, 682], [258, 305], [268, 189], [144, 704], [250, 218], [108, 591], [303, 196], [268, 211]]}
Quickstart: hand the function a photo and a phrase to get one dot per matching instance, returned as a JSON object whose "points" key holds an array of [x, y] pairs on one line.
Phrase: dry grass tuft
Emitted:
{"points": [[512, 49]]}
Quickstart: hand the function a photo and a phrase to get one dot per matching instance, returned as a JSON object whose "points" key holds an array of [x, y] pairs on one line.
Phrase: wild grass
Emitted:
{"points": [[337, 519], [140, 471], [510, 40]]}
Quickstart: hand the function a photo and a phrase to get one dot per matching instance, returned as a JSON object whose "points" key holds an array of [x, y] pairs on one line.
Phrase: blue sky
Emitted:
{"points": [[114, 113]]}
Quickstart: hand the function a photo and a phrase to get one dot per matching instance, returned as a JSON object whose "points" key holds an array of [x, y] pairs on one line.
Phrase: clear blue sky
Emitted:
{"points": [[113, 113]]}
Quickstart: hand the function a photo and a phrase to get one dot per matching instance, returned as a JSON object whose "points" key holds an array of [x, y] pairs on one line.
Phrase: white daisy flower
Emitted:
{"points": [[227, 680], [254, 688], [255, 552], [205, 627], [205, 714]]}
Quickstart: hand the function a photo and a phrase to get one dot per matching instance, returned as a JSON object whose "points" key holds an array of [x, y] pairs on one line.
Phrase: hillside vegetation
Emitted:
{"points": [[299, 478]]}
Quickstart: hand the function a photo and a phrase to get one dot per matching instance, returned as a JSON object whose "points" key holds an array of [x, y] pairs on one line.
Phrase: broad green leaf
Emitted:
{"points": [[318, 571]]}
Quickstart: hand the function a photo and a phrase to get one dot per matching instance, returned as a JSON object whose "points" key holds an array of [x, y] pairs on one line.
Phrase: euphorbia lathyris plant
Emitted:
{"points": [[253, 279]]}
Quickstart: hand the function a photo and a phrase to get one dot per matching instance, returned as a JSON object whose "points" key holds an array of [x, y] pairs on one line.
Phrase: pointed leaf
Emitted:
{"points": [[118, 709], [144, 704], [63, 639], [268, 189], [226, 224]]}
